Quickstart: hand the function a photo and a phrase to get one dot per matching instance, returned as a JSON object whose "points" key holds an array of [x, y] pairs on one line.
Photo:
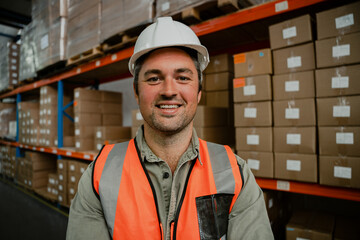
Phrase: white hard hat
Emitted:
{"points": [[168, 33]]}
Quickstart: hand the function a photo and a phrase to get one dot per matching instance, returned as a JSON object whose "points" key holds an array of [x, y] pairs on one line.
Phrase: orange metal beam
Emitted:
{"points": [[310, 189]]}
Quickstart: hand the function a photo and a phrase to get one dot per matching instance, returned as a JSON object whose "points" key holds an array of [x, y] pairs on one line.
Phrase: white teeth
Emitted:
{"points": [[168, 106]]}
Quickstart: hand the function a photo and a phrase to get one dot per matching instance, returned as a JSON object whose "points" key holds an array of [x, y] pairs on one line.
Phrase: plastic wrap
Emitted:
{"points": [[83, 26], [118, 16], [9, 65], [7, 120], [28, 53]]}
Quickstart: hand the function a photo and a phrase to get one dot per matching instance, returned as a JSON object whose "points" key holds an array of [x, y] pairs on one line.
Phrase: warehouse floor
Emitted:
{"points": [[24, 216]]}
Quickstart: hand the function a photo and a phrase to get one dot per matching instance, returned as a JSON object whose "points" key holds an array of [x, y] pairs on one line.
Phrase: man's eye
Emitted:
{"points": [[182, 78], [153, 79]]}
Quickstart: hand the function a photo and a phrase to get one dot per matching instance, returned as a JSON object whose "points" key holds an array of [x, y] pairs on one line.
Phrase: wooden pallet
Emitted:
{"points": [[85, 56], [52, 69], [205, 11], [123, 41]]}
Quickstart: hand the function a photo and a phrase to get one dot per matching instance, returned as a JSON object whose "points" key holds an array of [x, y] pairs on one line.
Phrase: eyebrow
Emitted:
{"points": [[183, 70], [158, 71]]}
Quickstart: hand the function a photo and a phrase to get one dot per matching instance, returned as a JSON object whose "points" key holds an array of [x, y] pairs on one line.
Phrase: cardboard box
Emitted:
{"points": [[218, 98], [87, 119], [111, 108], [109, 119], [137, 118], [339, 140], [340, 171], [256, 88], [73, 178], [294, 85], [84, 144], [112, 132], [338, 51], [291, 32], [338, 81], [295, 140], [82, 167], [253, 114], [111, 97], [220, 135], [260, 163], [253, 63], [81, 106], [218, 81], [299, 112], [297, 167], [220, 63], [258, 139], [62, 165], [73, 166], [347, 228], [83, 94], [210, 117], [338, 111], [85, 131], [310, 225], [294, 59], [338, 21]]}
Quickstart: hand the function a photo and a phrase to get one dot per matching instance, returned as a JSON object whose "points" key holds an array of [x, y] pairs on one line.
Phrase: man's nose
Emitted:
{"points": [[169, 87]]}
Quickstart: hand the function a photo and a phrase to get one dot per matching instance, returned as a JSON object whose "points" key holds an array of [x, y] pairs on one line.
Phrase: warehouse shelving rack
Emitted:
{"points": [[113, 66]]}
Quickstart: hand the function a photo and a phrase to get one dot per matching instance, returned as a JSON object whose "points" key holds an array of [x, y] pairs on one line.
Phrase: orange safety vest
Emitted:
{"points": [[128, 198]]}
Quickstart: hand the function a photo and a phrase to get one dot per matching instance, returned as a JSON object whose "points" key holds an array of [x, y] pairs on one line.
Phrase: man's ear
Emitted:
{"points": [[199, 96], [136, 96]]}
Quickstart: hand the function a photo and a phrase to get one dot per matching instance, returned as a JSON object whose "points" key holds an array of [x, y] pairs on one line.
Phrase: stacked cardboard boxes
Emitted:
{"points": [[110, 135], [9, 65], [295, 137], [29, 130], [83, 26], [253, 110], [34, 168], [52, 186], [50, 21], [62, 173], [49, 116], [92, 109], [118, 16], [74, 172], [8, 161], [338, 95], [7, 120]]}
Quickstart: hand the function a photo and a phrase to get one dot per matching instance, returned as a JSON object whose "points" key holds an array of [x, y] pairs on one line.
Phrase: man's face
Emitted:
{"points": [[168, 90]]}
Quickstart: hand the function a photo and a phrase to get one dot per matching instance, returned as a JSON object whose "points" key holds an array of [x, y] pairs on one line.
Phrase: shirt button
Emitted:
{"points": [[166, 175]]}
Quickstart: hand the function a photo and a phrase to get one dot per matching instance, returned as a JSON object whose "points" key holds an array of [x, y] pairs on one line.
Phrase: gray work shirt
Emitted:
{"points": [[248, 218]]}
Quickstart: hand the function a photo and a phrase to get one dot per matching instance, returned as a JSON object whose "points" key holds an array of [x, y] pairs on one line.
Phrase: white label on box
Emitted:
{"points": [[344, 21], [98, 134], [14, 54], [72, 191], [97, 63], [342, 172], [49, 189], [13, 61], [292, 86], [113, 57], [249, 90], [68, 154], [292, 113], [61, 177], [271, 203], [60, 198], [293, 62], [281, 6], [72, 179], [293, 138], [252, 139], [60, 187], [72, 167], [49, 111], [341, 50], [76, 119], [61, 166], [13, 67], [253, 164], [48, 131], [250, 112], [44, 42], [78, 70], [139, 116], [49, 122], [165, 6], [86, 156], [77, 132], [99, 146], [289, 32], [299, 238], [77, 94], [283, 185], [54, 151], [14, 75], [77, 144], [341, 111], [293, 165], [340, 82], [344, 138]]}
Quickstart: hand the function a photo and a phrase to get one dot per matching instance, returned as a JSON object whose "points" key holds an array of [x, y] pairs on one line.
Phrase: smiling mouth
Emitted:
{"points": [[168, 106]]}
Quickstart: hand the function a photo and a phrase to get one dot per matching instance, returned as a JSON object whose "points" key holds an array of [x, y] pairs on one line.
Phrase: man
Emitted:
{"points": [[167, 183]]}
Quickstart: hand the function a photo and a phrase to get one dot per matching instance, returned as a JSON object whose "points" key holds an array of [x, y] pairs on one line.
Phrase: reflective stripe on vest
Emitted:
{"points": [[129, 201]]}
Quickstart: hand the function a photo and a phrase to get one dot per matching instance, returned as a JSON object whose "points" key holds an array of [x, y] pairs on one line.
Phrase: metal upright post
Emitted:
{"points": [[18, 100], [60, 124]]}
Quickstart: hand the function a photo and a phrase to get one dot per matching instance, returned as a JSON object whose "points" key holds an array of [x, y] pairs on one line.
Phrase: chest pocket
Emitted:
{"points": [[213, 213]]}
